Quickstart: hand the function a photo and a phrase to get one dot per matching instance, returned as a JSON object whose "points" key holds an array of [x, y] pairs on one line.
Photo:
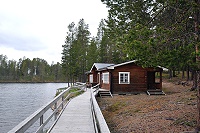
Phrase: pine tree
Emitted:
{"points": [[92, 53], [67, 54], [74, 53], [108, 52], [82, 41]]}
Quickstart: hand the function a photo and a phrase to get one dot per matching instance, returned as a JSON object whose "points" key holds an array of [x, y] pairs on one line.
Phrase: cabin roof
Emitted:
{"points": [[112, 67], [101, 65], [133, 61]]}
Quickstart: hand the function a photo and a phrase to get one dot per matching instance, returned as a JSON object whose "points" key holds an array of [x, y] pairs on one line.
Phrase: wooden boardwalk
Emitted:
{"points": [[77, 116]]}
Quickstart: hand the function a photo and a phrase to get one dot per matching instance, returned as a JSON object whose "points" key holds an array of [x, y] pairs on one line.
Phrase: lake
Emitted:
{"points": [[20, 100]]}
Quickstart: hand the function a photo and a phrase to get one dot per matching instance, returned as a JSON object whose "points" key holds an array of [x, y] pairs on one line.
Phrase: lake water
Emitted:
{"points": [[20, 100]]}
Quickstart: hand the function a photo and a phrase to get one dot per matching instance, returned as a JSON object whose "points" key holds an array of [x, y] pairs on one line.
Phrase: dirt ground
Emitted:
{"points": [[172, 113]]}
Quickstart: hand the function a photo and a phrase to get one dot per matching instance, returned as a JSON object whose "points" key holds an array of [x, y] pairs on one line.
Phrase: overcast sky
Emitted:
{"points": [[37, 28]]}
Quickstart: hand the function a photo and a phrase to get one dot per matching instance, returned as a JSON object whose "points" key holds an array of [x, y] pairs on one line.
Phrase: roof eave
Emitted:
{"points": [[128, 62]]}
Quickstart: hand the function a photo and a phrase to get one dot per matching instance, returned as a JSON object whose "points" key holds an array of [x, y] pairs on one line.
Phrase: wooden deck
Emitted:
{"points": [[77, 117]]}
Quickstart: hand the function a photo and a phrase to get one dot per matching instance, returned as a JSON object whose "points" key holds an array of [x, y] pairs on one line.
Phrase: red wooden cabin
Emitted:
{"points": [[125, 78]]}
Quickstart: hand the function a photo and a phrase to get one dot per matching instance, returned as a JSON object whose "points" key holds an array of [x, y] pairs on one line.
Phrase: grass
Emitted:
{"points": [[137, 110], [185, 122], [59, 91], [165, 90], [116, 106], [75, 91]]}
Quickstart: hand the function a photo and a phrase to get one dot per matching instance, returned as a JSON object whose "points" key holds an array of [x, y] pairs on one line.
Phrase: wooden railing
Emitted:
{"points": [[59, 103], [100, 124]]}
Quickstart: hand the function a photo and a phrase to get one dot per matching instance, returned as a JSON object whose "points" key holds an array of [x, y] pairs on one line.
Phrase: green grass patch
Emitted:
{"points": [[137, 110], [59, 91], [116, 106], [75, 91], [165, 90], [184, 122]]}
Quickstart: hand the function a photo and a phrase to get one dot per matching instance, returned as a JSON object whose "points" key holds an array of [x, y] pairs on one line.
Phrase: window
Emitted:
{"points": [[106, 78], [124, 77], [91, 78]]}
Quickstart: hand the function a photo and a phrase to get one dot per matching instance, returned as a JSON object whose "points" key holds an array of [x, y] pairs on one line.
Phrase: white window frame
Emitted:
{"points": [[125, 77], [91, 78], [99, 75], [105, 77]]}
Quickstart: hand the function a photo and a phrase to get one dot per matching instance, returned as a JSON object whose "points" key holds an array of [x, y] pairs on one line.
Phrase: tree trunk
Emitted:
{"points": [[194, 77], [174, 73], [68, 80], [188, 74], [170, 74], [183, 74]]}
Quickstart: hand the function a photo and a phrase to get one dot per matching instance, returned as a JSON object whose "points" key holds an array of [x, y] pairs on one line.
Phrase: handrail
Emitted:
{"points": [[96, 90], [100, 124], [24, 125]]}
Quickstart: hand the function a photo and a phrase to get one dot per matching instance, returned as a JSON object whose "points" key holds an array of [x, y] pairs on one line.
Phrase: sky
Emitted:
{"points": [[37, 28]]}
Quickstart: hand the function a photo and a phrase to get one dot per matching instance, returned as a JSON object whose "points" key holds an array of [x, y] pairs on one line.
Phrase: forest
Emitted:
{"points": [[153, 32]]}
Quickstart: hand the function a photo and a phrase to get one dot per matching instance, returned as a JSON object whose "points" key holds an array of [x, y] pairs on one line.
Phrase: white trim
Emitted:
{"points": [[99, 75], [128, 62], [100, 66], [105, 77], [126, 80], [91, 78]]}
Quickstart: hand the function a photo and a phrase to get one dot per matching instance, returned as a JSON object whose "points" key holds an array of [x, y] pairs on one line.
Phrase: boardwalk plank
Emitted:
{"points": [[77, 117]]}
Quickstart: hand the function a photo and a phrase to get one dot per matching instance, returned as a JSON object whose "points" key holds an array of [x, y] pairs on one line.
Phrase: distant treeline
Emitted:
{"points": [[27, 70]]}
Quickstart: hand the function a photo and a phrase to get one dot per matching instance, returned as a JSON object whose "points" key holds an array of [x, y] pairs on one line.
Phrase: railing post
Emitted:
{"points": [[55, 107], [41, 122], [62, 102]]}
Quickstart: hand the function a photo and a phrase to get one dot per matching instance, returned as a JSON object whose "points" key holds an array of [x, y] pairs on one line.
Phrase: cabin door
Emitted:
{"points": [[151, 80]]}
